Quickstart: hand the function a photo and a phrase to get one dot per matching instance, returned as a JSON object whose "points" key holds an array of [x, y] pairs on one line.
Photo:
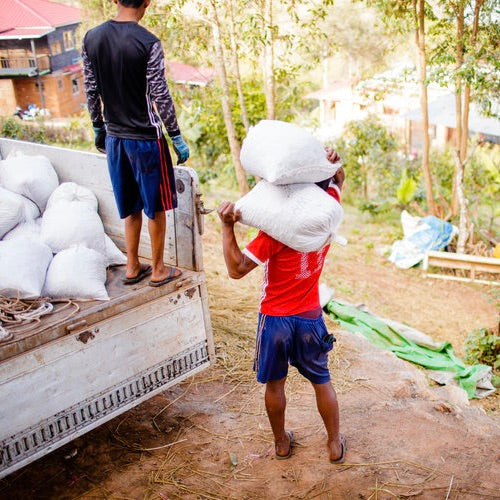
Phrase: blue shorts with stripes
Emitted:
{"points": [[300, 342], [142, 175]]}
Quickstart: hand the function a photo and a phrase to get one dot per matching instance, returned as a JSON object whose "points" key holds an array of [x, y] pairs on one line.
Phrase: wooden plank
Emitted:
{"points": [[472, 263], [464, 257], [460, 278]]}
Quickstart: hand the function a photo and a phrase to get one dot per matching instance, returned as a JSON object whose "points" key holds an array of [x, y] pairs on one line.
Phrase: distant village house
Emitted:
{"points": [[393, 97], [39, 59]]}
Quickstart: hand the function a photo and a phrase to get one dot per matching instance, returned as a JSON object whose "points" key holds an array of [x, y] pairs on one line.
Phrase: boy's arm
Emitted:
{"points": [[160, 92], [339, 177], [237, 263], [93, 102], [92, 92]]}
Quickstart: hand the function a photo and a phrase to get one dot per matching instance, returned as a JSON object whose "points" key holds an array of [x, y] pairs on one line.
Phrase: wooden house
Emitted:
{"points": [[40, 62]]}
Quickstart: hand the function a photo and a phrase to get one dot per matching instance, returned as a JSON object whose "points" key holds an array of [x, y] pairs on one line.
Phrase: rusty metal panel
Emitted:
{"points": [[77, 366]]}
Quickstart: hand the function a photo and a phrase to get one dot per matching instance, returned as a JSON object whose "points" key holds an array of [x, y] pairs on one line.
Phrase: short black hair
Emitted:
{"points": [[131, 3], [324, 184]]}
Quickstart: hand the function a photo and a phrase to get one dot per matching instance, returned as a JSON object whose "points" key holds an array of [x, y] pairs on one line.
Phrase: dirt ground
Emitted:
{"points": [[209, 437]]}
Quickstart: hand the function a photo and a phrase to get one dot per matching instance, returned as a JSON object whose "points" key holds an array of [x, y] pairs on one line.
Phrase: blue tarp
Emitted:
{"points": [[429, 233]]}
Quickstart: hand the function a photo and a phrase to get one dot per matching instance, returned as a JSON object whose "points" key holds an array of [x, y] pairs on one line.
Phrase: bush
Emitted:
{"points": [[375, 166], [14, 128], [75, 134], [483, 346]]}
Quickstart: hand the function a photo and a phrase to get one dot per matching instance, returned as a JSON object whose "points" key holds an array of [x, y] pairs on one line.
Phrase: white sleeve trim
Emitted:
{"points": [[334, 186], [252, 257]]}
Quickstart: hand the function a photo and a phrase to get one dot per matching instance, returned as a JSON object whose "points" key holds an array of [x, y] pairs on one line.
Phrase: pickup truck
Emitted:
{"points": [[83, 365]]}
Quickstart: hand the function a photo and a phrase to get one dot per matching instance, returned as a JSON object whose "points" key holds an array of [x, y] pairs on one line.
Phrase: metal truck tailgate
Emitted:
{"points": [[108, 357]]}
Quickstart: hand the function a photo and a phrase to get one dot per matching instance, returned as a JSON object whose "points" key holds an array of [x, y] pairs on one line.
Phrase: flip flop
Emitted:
{"points": [[289, 454], [171, 276], [145, 270], [343, 445]]}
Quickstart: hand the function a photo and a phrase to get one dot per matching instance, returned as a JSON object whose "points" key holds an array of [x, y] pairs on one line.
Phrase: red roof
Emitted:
{"points": [[34, 18], [185, 73]]}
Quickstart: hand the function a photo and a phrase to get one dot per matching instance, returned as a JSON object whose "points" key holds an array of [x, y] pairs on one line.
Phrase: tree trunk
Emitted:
{"points": [[462, 139], [458, 108], [269, 81], [226, 103], [463, 232], [419, 15], [236, 65]]}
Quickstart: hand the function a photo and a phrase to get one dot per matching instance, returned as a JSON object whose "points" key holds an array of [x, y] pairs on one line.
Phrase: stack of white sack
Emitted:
{"points": [[23, 267], [70, 228], [287, 204], [31, 176], [77, 272]]}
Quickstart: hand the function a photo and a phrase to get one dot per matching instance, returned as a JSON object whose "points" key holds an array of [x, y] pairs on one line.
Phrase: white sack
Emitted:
{"points": [[31, 176], [29, 229], [23, 265], [114, 256], [302, 216], [70, 191], [31, 210], [284, 153], [69, 223], [77, 273], [11, 211]]}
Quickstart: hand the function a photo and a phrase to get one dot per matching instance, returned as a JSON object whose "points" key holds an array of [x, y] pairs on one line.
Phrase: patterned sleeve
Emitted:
{"points": [[261, 248], [91, 91], [158, 89]]}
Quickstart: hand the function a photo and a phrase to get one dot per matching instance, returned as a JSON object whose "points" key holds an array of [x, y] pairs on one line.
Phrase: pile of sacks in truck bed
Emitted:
{"points": [[286, 203], [52, 240]]}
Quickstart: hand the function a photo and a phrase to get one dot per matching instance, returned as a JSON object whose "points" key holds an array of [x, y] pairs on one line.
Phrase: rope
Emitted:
{"points": [[18, 315], [4, 334], [45, 308]]}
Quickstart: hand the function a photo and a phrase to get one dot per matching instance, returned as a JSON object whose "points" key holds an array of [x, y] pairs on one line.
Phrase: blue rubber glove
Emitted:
{"points": [[100, 138], [181, 148]]}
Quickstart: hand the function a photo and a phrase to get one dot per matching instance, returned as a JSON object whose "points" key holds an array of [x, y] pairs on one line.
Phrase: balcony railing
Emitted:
{"points": [[24, 66]]}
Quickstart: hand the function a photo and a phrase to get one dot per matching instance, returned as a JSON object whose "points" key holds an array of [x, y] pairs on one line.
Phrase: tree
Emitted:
{"points": [[413, 13], [466, 59], [356, 36], [236, 65], [369, 154], [226, 103]]}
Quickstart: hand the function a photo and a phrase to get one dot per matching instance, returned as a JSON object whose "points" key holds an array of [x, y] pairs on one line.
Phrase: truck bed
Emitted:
{"points": [[73, 316]]}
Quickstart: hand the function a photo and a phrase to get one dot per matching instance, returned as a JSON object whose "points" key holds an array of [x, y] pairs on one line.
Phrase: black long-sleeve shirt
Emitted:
{"points": [[124, 69]]}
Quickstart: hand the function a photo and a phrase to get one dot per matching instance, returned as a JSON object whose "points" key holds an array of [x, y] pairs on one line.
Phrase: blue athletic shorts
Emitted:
{"points": [[300, 342], [142, 175]]}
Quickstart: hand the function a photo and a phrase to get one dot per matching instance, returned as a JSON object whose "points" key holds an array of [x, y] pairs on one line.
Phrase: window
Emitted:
{"points": [[55, 47], [69, 40], [60, 84], [75, 85]]}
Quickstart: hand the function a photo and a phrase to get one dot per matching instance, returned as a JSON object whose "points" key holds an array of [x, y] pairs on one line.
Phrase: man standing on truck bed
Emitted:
{"points": [[124, 70], [291, 329]]}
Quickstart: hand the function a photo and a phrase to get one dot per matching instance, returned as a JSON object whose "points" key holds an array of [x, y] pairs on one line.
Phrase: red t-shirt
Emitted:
{"points": [[291, 278]]}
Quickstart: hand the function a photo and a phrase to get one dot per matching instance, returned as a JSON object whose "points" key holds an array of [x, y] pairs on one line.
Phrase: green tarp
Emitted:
{"points": [[374, 329]]}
